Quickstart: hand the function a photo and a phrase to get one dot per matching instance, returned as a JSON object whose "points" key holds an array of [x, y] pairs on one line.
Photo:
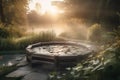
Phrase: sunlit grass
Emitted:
{"points": [[23, 42]]}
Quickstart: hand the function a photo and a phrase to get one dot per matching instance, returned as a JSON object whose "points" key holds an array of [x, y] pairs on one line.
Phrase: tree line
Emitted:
{"points": [[107, 11], [13, 11]]}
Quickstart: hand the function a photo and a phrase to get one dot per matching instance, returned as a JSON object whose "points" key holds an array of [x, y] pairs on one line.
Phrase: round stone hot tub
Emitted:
{"points": [[58, 53]]}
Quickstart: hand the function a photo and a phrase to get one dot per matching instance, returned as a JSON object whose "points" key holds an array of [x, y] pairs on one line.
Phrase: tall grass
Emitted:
{"points": [[22, 43]]}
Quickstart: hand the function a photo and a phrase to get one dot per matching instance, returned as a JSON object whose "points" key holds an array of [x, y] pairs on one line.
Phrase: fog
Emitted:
{"points": [[69, 28]]}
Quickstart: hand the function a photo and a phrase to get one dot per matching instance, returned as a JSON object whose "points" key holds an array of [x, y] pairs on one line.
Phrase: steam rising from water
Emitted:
{"points": [[75, 28]]}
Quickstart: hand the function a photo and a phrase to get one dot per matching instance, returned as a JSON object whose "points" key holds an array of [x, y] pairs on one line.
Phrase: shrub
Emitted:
{"points": [[116, 33], [102, 66], [7, 44], [95, 32], [10, 31], [3, 33], [15, 31]]}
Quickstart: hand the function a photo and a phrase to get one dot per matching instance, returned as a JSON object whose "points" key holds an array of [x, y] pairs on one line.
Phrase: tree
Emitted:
{"points": [[112, 9], [1, 12], [82, 8], [96, 10], [13, 11]]}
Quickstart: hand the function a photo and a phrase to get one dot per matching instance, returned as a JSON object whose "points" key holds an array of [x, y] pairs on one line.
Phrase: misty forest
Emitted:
{"points": [[94, 24]]}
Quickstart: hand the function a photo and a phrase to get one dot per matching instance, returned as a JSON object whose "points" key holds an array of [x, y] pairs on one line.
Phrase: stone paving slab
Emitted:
{"points": [[18, 73], [23, 62], [30, 73], [26, 68], [21, 71], [35, 76]]}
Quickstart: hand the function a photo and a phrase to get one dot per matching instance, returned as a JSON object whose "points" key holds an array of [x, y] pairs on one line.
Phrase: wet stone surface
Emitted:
{"points": [[38, 72], [35, 76], [8, 60], [31, 73], [18, 73]]}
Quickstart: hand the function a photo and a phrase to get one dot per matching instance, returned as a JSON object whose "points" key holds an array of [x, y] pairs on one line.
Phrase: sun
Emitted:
{"points": [[44, 6]]}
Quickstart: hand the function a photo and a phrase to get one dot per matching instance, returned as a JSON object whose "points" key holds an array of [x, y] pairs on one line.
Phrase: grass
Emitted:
{"points": [[12, 38], [7, 44]]}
